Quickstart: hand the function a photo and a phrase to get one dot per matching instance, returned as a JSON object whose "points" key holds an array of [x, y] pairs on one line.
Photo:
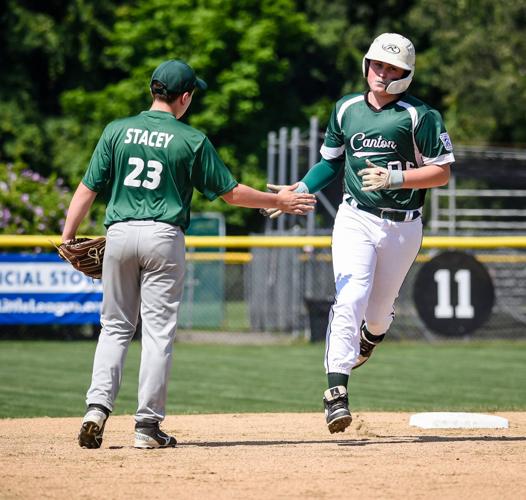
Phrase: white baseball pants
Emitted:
{"points": [[371, 257]]}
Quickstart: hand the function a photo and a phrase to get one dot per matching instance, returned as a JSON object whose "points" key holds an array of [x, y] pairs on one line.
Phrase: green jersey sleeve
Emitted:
{"points": [[333, 147], [322, 174], [98, 173], [433, 140], [210, 175]]}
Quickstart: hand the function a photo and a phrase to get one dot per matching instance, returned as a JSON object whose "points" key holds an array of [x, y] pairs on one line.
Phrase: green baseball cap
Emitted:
{"points": [[176, 77]]}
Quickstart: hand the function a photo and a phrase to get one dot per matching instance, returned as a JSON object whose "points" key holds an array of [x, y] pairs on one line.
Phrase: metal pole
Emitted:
{"points": [[294, 156], [190, 287], [282, 168], [296, 299], [271, 170], [271, 158], [327, 204], [452, 204], [311, 221], [313, 158], [435, 207]]}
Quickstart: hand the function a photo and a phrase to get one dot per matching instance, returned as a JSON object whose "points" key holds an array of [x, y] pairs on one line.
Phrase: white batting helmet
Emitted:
{"points": [[394, 49]]}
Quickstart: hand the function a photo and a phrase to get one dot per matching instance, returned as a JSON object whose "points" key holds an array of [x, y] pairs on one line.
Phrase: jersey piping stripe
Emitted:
{"points": [[328, 337], [414, 120], [345, 105]]}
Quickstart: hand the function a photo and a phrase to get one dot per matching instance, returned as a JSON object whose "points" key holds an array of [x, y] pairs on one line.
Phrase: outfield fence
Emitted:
{"points": [[285, 283]]}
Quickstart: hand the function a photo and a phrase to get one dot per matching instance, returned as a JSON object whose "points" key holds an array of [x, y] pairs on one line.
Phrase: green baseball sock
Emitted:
{"points": [[336, 379]]}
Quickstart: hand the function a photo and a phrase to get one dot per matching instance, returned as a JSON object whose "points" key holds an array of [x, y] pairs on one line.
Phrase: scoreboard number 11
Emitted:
{"points": [[453, 293], [464, 308]]}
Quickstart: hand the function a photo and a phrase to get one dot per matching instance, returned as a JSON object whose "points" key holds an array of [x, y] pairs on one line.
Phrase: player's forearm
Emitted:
{"points": [[322, 174], [245, 196], [286, 200], [426, 177], [78, 208]]}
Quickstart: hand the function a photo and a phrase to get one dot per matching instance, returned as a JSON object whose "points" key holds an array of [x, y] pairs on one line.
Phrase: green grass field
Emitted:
{"points": [[48, 378]]}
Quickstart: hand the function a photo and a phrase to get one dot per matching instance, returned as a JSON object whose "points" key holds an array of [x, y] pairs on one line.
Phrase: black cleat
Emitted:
{"points": [[149, 436], [92, 428], [337, 412], [367, 346]]}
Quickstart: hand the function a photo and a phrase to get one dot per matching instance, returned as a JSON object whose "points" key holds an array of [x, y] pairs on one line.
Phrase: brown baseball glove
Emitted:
{"points": [[84, 254]]}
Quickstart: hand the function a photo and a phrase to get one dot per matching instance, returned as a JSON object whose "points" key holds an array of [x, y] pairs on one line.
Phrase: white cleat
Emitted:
{"points": [[92, 428], [153, 437]]}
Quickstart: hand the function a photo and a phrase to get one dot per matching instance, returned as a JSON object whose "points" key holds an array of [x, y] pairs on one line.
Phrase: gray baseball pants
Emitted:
{"points": [[143, 271]]}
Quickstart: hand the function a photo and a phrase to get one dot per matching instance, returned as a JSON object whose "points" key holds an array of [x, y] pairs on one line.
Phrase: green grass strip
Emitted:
{"points": [[48, 378]]}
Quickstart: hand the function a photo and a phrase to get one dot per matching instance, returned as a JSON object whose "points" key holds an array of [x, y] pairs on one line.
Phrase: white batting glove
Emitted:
{"points": [[375, 177], [271, 213], [274, 213]]}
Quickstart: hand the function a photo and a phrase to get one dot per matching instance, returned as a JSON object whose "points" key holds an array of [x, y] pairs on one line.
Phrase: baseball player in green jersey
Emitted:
{"points": [[392, 147], [150, 163]]}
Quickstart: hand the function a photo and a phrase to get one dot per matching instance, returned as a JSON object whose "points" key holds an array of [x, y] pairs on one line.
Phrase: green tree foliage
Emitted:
{"points": [[46, 48], [71, 66], [476, 57], [343, 31], [252, 54]]}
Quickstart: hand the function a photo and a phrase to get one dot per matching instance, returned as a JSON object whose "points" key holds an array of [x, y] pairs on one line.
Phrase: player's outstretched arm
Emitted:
{"points": [[78, 208], [286, 200]]}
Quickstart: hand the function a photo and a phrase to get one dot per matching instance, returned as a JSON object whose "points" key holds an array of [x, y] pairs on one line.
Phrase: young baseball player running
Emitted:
{"points": [[392, 147], [151, 163]]}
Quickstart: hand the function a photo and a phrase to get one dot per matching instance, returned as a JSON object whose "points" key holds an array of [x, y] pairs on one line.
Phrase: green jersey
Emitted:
{"points": [[151, 163], [405, 134]]}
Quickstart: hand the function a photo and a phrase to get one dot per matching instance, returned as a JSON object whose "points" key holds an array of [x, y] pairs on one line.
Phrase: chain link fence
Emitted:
{"points": [[289, 290], [284, 285]]}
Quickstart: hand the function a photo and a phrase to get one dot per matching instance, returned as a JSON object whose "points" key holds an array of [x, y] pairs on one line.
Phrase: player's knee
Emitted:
{"points": [[379, 327]]}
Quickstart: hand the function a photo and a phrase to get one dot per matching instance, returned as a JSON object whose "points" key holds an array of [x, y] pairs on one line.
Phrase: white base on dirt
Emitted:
{"points": [[457, 420]]}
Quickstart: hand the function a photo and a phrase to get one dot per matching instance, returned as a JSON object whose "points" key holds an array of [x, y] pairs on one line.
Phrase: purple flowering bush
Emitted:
{"points": [[33, 204]]}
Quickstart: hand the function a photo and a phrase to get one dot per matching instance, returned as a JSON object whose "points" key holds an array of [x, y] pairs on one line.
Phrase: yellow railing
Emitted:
{"points": [[247, 242], [244, 242]]}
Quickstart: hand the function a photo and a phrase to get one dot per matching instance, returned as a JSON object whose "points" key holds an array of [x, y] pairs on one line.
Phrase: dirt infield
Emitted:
{"points": [[267, 456]]}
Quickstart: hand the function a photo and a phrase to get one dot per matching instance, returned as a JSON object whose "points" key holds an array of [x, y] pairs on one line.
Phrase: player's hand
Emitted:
{"points": [[273, 213], [375, 177], [294, 199]]}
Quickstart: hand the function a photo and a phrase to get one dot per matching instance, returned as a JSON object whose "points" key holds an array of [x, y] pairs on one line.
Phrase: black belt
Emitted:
{"points": [[394, 215]]}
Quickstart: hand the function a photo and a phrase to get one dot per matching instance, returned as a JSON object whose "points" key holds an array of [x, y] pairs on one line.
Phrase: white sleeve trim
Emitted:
{"points": [[331, 153], [439, 160], [414, 122], [345, 105]]}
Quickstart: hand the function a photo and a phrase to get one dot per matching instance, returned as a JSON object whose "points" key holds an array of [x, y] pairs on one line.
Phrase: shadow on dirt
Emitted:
{"points": [[379, 440]]}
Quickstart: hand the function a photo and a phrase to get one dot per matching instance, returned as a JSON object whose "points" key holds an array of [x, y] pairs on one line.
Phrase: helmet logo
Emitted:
{"points": [[390, 47]]}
